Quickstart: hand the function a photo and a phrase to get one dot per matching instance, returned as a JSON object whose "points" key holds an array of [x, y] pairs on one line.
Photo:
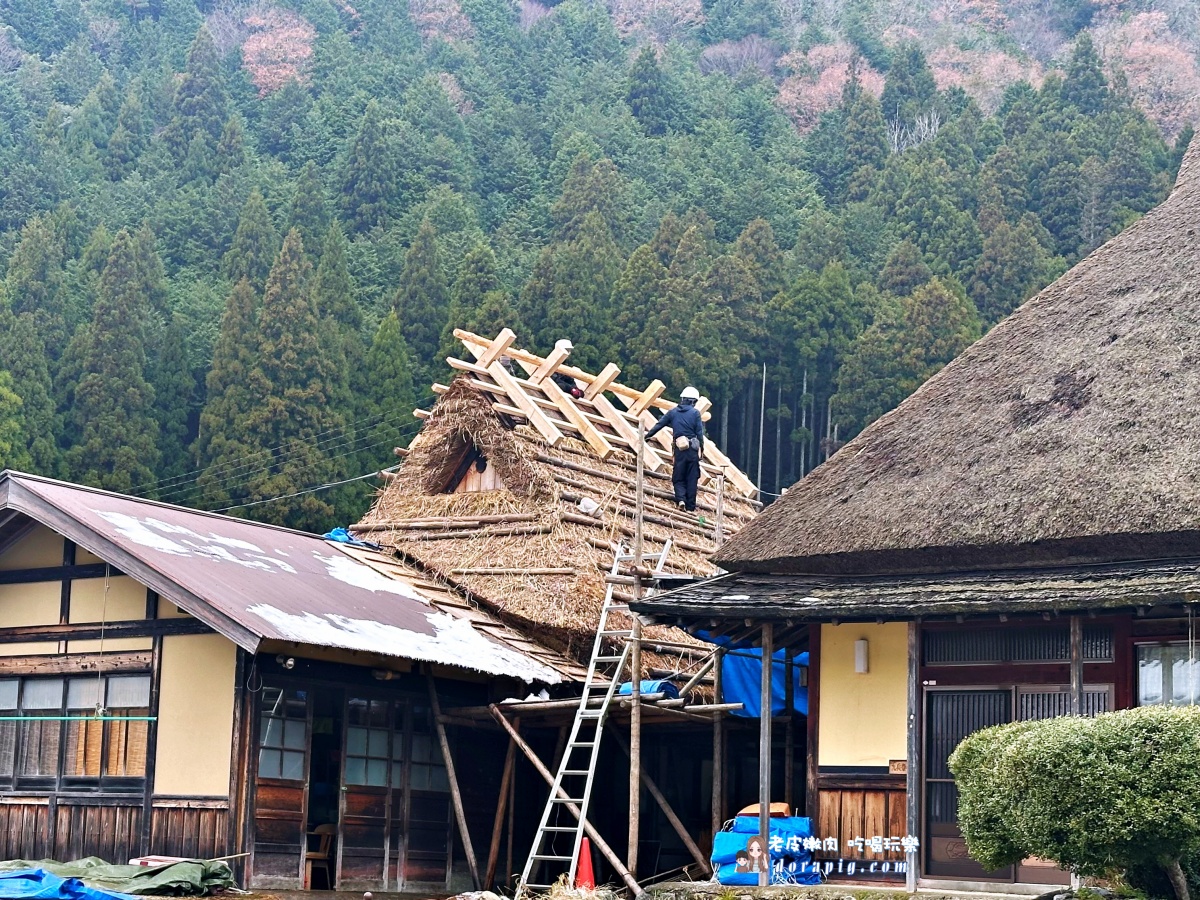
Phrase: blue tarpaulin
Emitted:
{"points": [[649, 687], [38, 884], [790, 862], [741, 682], [342, 536]]}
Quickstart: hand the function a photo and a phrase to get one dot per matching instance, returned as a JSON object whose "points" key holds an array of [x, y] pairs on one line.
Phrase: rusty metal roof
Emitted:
{"points": [[254, 582]]}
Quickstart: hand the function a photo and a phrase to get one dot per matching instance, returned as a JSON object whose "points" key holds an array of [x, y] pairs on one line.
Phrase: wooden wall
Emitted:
{"points": [[862, 807]]}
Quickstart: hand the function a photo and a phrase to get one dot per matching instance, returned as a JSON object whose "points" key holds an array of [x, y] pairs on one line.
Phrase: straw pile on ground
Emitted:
{"points": [[528, 550]]}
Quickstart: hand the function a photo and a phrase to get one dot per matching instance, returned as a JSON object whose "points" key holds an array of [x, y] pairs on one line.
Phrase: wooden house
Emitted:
{"points": [[186, 684], [1019, 539]]}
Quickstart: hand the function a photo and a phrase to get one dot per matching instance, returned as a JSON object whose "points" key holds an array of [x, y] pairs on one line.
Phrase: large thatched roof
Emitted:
{"points": [[523, 545], [1070, 432]]}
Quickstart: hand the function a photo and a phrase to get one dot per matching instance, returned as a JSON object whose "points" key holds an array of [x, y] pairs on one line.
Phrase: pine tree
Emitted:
{"points": [[255, 244], [310, 212], [35, 274], [756, 247], [370, 176], [128, 139], [904, 271], [649, 93], [200, 105], [114, 403], [341, 318], [170, 376], [221, 447], [385, 395], [290, 402], [22, 357], [422, 302], [864, 131], [909, 89], [1012, 266], [636, 300], [1085, 85], [13, 454], [477, 276], [590, 188], [148, 269]]}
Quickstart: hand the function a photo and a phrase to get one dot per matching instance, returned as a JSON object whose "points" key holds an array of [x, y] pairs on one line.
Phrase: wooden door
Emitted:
{"points": [[281, 787], [421, 840], [366, 795]]}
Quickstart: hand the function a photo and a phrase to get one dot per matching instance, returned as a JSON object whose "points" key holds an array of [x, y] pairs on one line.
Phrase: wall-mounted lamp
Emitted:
{"points": [[286, 661], [860, 656]]}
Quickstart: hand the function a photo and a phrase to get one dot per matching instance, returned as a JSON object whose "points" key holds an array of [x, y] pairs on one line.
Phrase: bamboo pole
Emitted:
{"points": [[459, 813], [635, 713], [789, 727], [764, 749], [510, 759], [602, 845], [665, 806], [912, 779]]}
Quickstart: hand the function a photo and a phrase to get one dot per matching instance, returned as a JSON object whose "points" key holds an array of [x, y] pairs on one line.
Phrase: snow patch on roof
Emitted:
{"points": [[360, 575], [153, 533], [454, 642]]}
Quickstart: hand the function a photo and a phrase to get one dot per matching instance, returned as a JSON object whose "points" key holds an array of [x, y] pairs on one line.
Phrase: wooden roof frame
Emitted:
{"points": [[592, 418]]}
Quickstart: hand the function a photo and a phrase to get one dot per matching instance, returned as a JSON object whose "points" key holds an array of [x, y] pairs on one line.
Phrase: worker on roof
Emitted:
{"points": [[688, 430]]}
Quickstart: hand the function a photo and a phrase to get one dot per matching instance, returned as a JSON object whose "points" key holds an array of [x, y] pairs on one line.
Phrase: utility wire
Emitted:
{"points": [[260, 461], [174, 481], [311, 490]]}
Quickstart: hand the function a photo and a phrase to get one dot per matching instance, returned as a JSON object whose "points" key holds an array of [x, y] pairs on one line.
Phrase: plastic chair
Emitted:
{"points": [[321, 857]]}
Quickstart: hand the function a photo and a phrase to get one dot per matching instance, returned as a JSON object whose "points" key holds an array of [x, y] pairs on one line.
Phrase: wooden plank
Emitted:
{"points": [[851, 825], [497, 348], [875, 819], [620, 424], [652, 392], [829, 815], [522, 401], [606, 377], [137, 661], [764, 744], [549, 365], [812, 779], [913, 779], [567, 407], [459, 813]]}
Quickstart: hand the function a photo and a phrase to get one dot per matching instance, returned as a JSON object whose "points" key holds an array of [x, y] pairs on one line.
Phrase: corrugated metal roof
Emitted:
{"points": [[255, 582]]}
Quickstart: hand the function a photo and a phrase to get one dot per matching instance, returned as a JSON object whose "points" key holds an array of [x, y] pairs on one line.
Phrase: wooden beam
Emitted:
{"points": [[510, 759], [460, 815], [602, 845], [77, 663], [653, 391], [463, 366], [496, 348], [913, 765], [1076, 666], [764, 746], [718, 765], [549, 365], [522, 401], [606, 377], [566, 405], [620, 424]]}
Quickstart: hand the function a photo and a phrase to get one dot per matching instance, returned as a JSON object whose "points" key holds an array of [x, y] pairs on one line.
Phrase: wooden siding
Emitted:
{"points": [[25, 830], [862, 808], [191, 828]]}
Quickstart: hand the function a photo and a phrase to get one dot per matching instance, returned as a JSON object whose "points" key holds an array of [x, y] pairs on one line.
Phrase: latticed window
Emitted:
{"points": [[52, 736]]}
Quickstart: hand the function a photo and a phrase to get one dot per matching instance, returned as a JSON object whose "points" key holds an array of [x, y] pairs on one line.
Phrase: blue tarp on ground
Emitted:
{"points": [[38, 884], [789, 859], [92, 878], [741, 681]]}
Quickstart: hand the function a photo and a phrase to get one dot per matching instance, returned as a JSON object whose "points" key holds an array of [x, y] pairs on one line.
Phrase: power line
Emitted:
{"points": [[311, 490], [241, 481], [172, 482], [260, 461]]}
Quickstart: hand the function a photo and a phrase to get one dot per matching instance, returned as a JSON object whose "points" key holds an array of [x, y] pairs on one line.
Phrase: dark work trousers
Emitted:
{"points": [[685, 476]]}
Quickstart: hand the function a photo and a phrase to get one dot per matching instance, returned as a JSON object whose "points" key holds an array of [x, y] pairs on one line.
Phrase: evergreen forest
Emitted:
{"points": [[235, 237]]}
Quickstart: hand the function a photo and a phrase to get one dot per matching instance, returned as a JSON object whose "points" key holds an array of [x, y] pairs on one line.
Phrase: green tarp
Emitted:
{"points": [[194, 878]]}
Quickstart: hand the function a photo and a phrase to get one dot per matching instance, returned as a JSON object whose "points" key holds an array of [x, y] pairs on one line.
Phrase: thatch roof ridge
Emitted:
{"points": [[1071, 430]]}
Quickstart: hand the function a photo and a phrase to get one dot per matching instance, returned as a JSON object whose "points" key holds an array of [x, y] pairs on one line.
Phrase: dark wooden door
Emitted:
{"points": [[951, 715], [281, 787], [421, 840], [366, 794]]}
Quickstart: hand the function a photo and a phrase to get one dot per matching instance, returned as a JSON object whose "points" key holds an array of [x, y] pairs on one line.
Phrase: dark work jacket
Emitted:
{"points": [[684, 421]]}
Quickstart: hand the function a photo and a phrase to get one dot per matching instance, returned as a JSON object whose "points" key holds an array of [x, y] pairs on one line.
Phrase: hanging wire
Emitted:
{"points": [[1191, 614]]}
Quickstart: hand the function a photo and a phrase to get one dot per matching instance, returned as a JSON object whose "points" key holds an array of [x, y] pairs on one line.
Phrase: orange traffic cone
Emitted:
{"points": [[585, 877]]}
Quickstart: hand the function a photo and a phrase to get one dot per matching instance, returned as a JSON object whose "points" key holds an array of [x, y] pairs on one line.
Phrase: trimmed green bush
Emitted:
{"points": [[1116, 793]]}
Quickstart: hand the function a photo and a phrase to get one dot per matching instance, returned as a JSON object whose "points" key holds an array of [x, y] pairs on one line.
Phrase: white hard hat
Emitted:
{"points": [[690, 393], [564, 344]]}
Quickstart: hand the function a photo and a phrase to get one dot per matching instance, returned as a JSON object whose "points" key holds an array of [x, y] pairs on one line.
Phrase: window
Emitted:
{"points": [[1168, 675], [55, 744], [1029, 644], [427, 770], [284, 736], [367, 739]]}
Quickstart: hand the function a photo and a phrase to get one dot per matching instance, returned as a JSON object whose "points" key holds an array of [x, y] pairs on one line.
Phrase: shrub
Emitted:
{"points": [[1120, 792]]}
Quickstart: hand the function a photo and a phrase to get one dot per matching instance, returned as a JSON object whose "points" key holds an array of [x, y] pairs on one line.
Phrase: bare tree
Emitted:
{"points": [[732, 58]]}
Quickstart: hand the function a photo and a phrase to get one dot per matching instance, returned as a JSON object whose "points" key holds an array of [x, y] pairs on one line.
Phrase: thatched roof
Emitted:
{"points": [[1070, 432], [524, 547]]}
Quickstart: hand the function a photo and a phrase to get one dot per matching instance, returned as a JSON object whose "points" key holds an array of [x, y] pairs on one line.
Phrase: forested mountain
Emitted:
{"points": [[235, 238]]}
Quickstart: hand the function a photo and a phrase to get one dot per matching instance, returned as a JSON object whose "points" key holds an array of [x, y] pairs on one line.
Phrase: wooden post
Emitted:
{"points": [[719, 537], [688, 840], [512, 805], [635, 711], [789, 727], [1076, 666], [913, 764], [718, 753], [460, 815], [602, 845], [510, 759], [764, 748], [812, 780]]}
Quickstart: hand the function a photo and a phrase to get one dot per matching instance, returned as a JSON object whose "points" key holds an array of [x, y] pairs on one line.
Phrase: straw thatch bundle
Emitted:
{"points": [[1070, 432], [528, 550]]}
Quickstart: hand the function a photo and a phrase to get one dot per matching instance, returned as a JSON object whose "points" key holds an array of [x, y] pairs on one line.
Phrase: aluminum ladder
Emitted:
{"points": [[577, 770]]}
